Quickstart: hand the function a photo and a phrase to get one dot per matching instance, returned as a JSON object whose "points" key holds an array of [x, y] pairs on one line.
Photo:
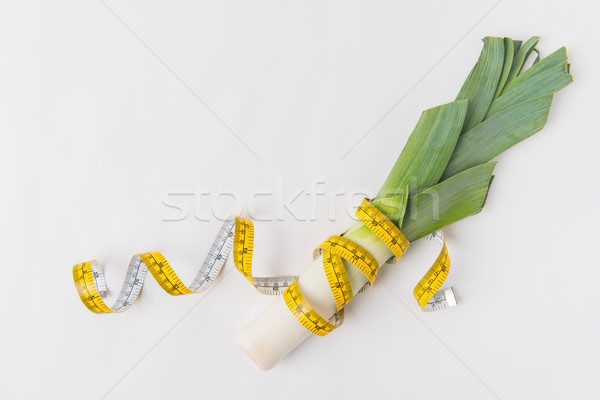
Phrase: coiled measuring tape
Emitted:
{"points": [[236, 236]]}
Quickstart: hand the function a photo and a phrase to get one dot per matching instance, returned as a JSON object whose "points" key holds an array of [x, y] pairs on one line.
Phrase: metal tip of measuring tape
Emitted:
{"points": [[444, 298], [450, 297]]}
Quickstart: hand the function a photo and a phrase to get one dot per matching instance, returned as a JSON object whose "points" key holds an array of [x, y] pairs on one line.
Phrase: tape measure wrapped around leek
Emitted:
{"points": [[442, 175]]}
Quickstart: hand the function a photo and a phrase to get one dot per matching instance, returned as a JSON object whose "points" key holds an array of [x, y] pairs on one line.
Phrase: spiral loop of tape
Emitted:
{"points": [[236, 236]]}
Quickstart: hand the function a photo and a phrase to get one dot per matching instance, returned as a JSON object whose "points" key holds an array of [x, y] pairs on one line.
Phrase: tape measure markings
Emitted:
{"points": [[215, 259], [383, 228], [305, 314], [88, 276], [237, 235], [334, 250], [243, 244], [338, 280], [431, 283], [337, 248], [273, 286], [353, 253]]}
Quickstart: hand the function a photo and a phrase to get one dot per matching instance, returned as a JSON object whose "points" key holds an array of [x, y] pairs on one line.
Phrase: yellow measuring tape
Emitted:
{"points": [[237, 234]]}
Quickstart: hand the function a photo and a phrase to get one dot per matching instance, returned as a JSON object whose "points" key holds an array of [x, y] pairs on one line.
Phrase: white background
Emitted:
{"points": [[102, 116]]}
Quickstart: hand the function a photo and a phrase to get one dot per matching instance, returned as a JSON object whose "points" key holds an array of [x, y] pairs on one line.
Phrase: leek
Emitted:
{"points": [[442, 175]]}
